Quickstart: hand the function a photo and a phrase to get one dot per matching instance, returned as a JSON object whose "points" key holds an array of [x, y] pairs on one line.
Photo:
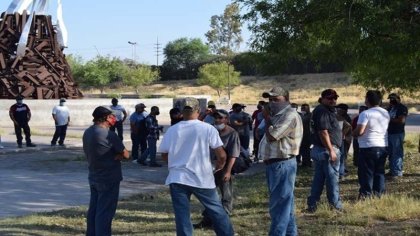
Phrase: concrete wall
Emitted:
{"points": [[81, 109]]}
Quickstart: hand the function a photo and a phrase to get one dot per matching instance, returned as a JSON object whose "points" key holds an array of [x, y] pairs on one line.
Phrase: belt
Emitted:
{"points": [[274, 160]]}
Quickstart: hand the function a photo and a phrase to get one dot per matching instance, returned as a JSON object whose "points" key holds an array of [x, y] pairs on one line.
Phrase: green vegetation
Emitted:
{"points": [[397, 213], [377, 41], [219, 76]]}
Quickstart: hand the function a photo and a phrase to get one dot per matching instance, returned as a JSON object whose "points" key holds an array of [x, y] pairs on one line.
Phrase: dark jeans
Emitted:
{"points": [[150, 151], [355, 152], [60, 132], [371, 171], [119, 127], [102, 207], [244, 140], [26, 130], [138, 141], [305, 154], [181, 196]]}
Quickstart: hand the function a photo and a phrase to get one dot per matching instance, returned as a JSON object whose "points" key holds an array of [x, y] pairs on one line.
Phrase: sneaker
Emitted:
{"points": [[155, 165], [62, 145], [30, 145]]}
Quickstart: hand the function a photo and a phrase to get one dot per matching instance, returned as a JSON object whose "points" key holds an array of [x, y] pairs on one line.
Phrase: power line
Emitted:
{"points": [[157, 47]]}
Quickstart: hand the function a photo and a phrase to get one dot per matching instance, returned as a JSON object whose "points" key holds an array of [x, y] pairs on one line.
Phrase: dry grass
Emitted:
{"points": [[304, 88]]}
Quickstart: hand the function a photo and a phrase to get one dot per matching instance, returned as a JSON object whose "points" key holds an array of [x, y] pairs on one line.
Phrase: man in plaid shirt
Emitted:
{"points": [[279, 148]]}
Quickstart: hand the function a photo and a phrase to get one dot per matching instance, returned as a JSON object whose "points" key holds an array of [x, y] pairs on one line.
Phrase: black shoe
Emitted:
{"points": [[53, 144], [19, 145], [155, 165], [143, 163], [310, 210], [62, 145], [203, 225], [30, 145]]}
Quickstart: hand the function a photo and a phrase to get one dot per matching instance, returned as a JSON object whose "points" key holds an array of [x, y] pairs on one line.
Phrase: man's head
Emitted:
{"points": [[362, 108], [154, 110], [373, 98], [114, 101], [62, 101], [329, 97], [140, 108], [278, 98], [342, 109], [304, 108], [190, 108], [104, 115], [394, 99], [294, 105], [221, 119], [260, 105], [19, 99], [212, 106], [236, 107]]}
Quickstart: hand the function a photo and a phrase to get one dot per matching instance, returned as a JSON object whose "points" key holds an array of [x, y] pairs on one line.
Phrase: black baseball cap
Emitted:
{"points": [[100, 112]]}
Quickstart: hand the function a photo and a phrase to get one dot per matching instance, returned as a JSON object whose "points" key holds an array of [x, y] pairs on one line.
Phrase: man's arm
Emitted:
{"points": [[325, 139], [12, 115], [399, 120], [29, 113], [229, 166], [55, 118], [275, 132], [359, 131], [221, 158], [125, 115], [122, 155]]}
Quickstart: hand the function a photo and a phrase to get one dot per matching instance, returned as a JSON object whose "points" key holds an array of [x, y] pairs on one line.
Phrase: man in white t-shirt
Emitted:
{"points": [[371, 133], [61, 116], [186, 148], [121, 115]]}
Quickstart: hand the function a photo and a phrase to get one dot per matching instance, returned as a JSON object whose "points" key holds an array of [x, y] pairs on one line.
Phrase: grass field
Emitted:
{"points": [[397, 213]]}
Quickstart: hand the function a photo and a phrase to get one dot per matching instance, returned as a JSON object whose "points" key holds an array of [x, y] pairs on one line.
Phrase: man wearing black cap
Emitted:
{"points": [[104, 151], [186, 148], [242, 123], [138, 131], [326, 137], [121, 115], [21, 115], [396, 134], [61, 116], [278, 149]]}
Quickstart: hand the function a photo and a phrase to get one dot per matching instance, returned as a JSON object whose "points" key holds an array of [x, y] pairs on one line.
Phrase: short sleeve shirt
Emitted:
{"points": [[324, 118], [187, 144], [118, 111], [20, 113], [376, 120], [62, 114], [394, 112], [101, 146]]}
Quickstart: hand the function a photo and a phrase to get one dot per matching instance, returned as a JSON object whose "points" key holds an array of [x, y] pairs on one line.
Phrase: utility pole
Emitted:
{"points": [[133, 50], [157, 47]]}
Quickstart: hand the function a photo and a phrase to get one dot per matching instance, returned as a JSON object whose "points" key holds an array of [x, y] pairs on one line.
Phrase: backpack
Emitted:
{"points": [[242, 163]]}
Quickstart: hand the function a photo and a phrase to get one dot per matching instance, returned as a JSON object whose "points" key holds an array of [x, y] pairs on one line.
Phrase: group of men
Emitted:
{"points": [[20, 114]]}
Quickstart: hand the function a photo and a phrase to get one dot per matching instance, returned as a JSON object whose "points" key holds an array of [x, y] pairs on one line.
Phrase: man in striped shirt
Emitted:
{"points": [[279, 148]]}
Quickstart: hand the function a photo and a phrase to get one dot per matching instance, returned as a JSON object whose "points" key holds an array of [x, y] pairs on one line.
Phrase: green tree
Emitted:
{"points": [[182, 54], [224, 36], [139, 75], [378, 41], [218, 75], [76, 66]]}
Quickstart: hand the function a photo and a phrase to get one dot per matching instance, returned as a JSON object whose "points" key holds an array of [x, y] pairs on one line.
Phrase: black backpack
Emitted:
{"points": [[242, 163]]}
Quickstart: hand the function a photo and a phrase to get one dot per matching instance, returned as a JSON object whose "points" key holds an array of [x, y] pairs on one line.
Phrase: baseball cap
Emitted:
{"points": [[342, 106], [100, 112], [235, 105], [276, 91], [114, 100], [62, 100], [329, 93], [222, 113], [211, 103], [191, 103], [140, 105]]}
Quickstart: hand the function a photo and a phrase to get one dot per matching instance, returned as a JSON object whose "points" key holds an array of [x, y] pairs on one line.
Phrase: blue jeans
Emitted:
{"points": [[181, 195], [281, 184], [150, 151], [371, 171], [343, 158], [60, 132], [102, 207], [326, 172], [396, 153]]}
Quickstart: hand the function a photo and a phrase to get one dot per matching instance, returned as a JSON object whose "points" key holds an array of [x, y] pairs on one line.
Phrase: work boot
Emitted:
{"points": [[30, 145]]}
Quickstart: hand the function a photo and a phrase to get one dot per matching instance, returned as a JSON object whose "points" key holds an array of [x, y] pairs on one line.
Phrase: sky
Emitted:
{"points": [[105, 27]]}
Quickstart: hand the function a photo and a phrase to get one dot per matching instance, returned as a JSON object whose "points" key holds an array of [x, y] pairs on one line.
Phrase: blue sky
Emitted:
{"points": [[105, 27]]}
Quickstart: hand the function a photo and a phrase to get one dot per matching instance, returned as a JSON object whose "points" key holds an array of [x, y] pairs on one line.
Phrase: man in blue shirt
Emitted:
{"points": [[138, 131]]}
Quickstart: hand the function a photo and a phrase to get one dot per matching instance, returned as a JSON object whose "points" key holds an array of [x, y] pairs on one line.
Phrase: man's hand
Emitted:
{"points": [[333, 155], [227, 176]]}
